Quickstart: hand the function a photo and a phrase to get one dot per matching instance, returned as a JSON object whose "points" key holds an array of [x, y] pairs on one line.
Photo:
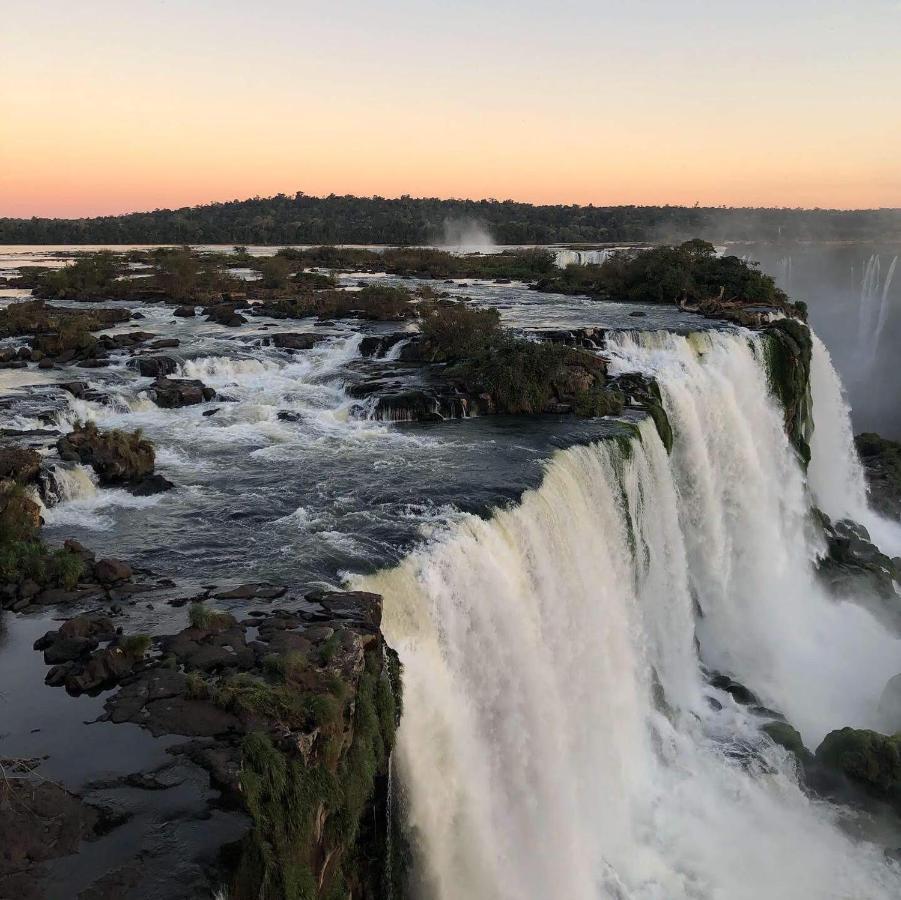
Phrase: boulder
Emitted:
{"points": [[154, 366], [870, 759], [224, 315], [164, 343], [171, 393], [152, 484], [185, 312], [112, 571], [294, 341]]}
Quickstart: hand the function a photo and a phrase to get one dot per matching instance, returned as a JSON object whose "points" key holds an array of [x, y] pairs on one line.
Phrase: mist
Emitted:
{"points": [[853, 293], [468, 233]]}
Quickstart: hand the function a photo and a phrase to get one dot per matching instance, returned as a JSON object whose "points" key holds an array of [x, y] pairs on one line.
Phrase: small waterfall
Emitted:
{"points": [[559, 738], [64, 483]]}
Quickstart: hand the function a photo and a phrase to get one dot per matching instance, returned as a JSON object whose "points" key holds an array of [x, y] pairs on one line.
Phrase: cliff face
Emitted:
{"points": [[317, 796], [788, 354]]}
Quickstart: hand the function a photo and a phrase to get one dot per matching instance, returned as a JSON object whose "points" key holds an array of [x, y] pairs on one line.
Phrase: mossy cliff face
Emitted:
{"points": [[788, 350], [317, 792]]}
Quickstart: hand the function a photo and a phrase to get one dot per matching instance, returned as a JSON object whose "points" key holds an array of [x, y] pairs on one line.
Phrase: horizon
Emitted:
{"points": [[152, 107], [460, 199]]}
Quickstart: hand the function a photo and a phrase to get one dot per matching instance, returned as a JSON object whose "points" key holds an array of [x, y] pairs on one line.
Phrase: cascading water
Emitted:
{"points": [[539, 756], [874, 307]]}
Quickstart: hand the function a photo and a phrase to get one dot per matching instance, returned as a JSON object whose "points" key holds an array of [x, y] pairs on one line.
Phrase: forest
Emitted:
{"points": [[303, 219]]}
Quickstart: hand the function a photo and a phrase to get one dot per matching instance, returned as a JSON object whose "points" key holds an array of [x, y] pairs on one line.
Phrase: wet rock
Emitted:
{"points": [[154, 366], [184, 312], [255, 591], [152, 484], [881, 460], [117, 457], [111, 571], [377, 345], [868, 758], [105, 668], [287, 415], [292, 341], [224, 314], [164, 343], [171, 393]]}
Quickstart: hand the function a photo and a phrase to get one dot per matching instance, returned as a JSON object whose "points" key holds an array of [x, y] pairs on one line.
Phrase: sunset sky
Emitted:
{"points": [[107, 107]]}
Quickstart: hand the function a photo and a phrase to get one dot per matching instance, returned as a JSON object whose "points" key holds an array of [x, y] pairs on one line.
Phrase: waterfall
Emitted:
{"points": [[567, 257], [874, 307], [559, 738]]}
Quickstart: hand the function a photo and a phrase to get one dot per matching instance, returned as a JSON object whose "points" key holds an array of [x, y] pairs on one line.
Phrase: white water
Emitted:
{"points": [[835, 475], [536, 762], [874, 307]]}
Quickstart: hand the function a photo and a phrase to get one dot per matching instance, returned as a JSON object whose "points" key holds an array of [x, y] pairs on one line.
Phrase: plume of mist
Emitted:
{"points": [[470, 233]]}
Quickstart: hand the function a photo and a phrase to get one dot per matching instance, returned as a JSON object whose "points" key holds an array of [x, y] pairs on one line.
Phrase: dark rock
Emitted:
{"points": [[154, 366], [224, 314], [868, 758], [261, 591], [881, 460], [295, 341], [165, 343], [171, 393], [377, 345], [152, 484], [66, 649], [185, 312], [111, 571]]}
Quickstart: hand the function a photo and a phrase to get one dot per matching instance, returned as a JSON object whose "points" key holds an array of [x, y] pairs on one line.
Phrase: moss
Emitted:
{"points": [[598, 401], [783, 734], [662, 423], [867, 757], [328, 650], [787, 354], [66, 568]]}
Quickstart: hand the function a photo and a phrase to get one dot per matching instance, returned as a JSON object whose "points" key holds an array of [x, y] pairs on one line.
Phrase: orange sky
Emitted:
{"points": [[109, 107]]}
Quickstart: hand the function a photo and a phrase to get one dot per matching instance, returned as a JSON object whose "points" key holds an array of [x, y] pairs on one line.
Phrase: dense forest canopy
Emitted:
{"points": [[302, 219]]}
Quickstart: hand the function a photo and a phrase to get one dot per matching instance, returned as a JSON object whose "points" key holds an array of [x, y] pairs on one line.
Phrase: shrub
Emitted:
{"points": [[134, 646], [274, 271], [205, 619], [455, 331], [66, 569]]}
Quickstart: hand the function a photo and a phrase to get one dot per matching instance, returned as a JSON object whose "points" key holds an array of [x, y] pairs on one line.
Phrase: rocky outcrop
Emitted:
{"points": [[788, 354], [881, 460], [154, 366], [117, 457], [295, 727]]}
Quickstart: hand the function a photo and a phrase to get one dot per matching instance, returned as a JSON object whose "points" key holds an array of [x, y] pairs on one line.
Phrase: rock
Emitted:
{"points": [[211, 412], [868, 758], [117, 457], [105, 667], [152, 484], [67, 649], [740, 694], [171, 393], [154, 366], [164, 343], [185, 312], [46, 364], [889, 709], [287, 415], [19, 464], [377, 345], [294, 341], [111, 571], [224, 315], [881, 460], [261, 591], [783, 734], [93, 626]]}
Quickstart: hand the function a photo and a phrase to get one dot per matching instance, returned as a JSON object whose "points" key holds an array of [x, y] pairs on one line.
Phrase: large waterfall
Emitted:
{"points": [[559, 738]]}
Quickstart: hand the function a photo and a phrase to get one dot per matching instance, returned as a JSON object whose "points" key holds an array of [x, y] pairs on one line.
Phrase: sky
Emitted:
{"points": [[108, 107]]}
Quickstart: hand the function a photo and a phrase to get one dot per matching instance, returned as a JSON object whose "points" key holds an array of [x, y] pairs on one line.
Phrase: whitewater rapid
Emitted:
{"points": [[559, 738]]}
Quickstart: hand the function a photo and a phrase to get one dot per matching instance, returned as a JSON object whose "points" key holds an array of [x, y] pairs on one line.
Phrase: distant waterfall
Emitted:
{"points": [[874, 306], [559, 738], [566, 257]]}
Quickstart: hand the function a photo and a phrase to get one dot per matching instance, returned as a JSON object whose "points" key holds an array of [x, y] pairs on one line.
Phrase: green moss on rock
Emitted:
{"points": [[866, 757], [788, 348]]}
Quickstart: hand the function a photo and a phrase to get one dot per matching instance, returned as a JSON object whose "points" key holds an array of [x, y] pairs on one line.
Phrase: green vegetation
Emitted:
{"points": [[135, 646], [90, 275], [116, 456], [788, 348], [382, 303], [783, 734], [205, 619], [302, 219], [691, 273], [867, 757], [454, 331]]}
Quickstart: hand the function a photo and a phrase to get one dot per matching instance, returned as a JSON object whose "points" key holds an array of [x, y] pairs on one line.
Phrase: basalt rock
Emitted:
{"points": [[154, 366], [19, 464], [292, 341], [881, 459], [788, 354], [868, 758], [171, 393]]}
